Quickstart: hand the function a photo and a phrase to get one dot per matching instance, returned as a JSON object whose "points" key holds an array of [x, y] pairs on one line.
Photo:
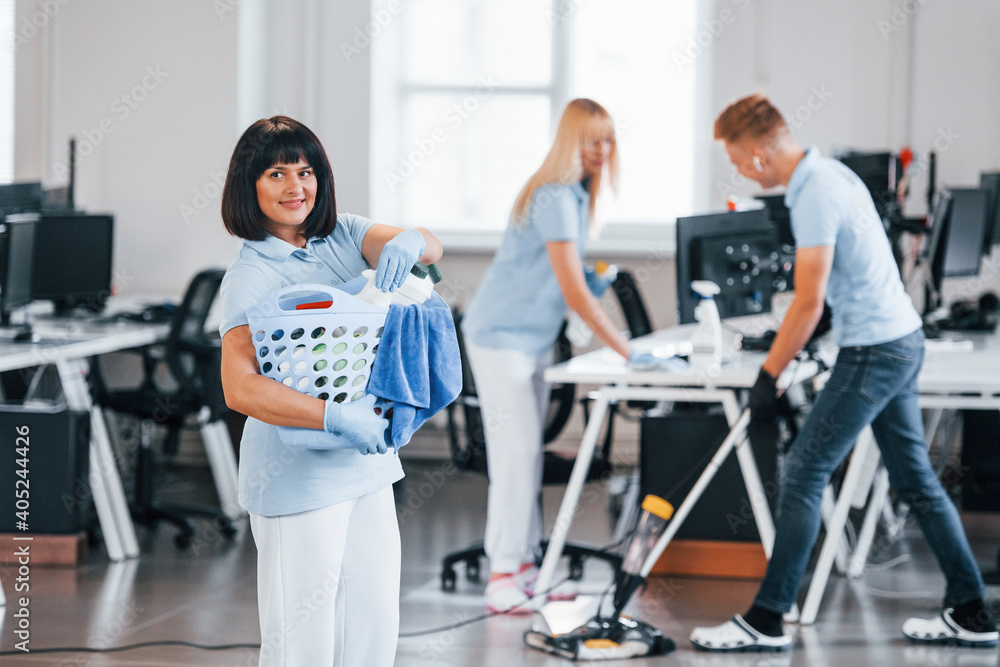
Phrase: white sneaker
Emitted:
{"points": [[736, 635], [944, 630], [504, 596], [526, 579]]}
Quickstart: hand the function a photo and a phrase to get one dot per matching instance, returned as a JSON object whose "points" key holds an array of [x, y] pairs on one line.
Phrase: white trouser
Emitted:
{"points": [[513, 400], [328, 584]]}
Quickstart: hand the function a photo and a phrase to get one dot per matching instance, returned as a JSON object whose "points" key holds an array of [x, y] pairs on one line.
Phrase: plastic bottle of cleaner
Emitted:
{"points": [[706, 341], [416, 289], [577, 331]]}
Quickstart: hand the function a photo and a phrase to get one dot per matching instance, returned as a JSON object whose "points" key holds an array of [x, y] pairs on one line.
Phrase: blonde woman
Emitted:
{"points": [[512, 322]]}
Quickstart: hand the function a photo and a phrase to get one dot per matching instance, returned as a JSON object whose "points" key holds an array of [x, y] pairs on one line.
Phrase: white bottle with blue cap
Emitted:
{"points": [[706, 341]]}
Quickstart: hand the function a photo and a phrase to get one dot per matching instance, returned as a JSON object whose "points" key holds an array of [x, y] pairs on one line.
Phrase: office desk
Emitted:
{"points": [[951, 378], [712, 384], [67, 345]]}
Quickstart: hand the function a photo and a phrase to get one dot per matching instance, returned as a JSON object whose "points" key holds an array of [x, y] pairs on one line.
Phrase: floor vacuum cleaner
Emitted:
{"points": [[616, 637]]}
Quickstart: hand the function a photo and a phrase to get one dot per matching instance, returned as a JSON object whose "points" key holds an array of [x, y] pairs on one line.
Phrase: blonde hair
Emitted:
{"points": [[753, 117], [582, 121]]}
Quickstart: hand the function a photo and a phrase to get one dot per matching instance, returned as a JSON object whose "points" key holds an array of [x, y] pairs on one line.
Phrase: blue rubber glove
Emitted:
{"points": [[645, 361], [595, 283], [397, 258], [357, 423]]}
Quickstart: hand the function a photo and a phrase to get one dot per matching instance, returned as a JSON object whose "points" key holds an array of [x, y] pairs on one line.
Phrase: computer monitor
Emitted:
{"points": [[17, 249], [738, 251], [780, 216], [21, 198], [990, 181], [72, 262], [880, 172]]}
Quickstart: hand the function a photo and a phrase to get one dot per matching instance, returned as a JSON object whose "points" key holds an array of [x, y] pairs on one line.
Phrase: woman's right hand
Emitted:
{"points": [[357, 423]]}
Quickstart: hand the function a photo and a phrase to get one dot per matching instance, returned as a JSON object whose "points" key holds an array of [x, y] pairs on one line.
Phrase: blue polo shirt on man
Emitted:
{"points": [[519, 305], [830, 206], [275, 478]]}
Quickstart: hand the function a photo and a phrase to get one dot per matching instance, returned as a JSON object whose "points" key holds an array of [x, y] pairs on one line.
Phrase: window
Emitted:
{"points": [[7, 48], [477, 87]]}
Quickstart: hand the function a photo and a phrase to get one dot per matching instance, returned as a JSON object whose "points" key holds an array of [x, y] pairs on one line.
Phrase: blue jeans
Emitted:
{"points": [[874, 385]]}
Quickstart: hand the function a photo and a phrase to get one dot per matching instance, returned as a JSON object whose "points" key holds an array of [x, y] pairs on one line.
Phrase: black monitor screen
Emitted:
{"points": [[966, 222], [738, 251], [880, 174], [21, 198], [72, 266], [990, 182], [781, 216], [19, 233]]}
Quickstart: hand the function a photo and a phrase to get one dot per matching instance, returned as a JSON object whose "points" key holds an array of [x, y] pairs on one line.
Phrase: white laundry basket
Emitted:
{"points": [[318, 339]]}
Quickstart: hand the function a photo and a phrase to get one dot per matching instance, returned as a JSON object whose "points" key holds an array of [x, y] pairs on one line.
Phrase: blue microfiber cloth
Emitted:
{"points": [[418, 366]]}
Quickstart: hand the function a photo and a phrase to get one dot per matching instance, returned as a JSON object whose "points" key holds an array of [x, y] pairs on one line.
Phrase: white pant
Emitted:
{"points": [[328, 584], [513, 400]]}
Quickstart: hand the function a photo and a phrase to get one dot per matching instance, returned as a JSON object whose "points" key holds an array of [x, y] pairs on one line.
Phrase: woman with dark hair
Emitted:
{"points": [[323, 520]]}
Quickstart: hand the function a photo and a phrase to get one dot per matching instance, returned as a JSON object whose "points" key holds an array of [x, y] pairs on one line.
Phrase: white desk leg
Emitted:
{"points": [[836, 527], [222, 460], [570, 498], [880, 493], [105, 484], [826, 512]]}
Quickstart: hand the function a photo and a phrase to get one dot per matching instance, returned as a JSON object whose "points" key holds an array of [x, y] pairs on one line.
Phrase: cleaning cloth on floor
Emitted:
{"points": [[418, 366]]}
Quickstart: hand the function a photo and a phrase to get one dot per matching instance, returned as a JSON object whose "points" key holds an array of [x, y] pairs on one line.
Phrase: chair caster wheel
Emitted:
{"points": [[472, 570], [448, 580], [575, 568]]}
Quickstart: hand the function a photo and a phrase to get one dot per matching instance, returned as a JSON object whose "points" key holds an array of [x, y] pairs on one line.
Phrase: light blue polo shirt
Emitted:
{"points": [[830, 206], [519, 305], [274, 478]]}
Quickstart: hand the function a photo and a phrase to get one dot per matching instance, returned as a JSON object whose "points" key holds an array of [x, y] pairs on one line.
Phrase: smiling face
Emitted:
{"points": [[286, 194]]}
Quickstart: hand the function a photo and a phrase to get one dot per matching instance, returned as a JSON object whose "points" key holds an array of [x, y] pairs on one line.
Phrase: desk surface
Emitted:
{"points": [[954, 370], [606, 367], [77, 338]]}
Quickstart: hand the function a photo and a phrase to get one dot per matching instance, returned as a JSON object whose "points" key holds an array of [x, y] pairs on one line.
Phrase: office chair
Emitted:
{"points": [[192, 363], [470, 454]]}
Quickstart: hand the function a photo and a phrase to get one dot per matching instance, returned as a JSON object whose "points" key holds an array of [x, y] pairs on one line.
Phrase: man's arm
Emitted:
{"points": [[812, 271]]}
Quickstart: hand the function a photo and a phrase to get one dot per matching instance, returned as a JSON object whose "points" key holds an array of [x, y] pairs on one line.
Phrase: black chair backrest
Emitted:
{"points": [[633, 308], [193, 357]]}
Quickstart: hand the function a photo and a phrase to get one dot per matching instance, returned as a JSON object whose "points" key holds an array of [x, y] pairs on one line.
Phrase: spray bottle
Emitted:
{"points": [[706, 341]]}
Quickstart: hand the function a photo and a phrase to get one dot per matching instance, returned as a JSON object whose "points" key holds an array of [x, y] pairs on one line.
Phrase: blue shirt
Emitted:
{"points": [[519, 305], [830, 206], [274, 478]]}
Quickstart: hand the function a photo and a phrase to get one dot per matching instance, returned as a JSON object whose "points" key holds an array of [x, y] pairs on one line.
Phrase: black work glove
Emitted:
{"points": [[763, 401], [763, 429]]}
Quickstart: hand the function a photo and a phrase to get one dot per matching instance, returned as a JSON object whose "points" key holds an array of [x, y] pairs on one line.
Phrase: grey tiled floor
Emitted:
{"points": [[207, 595]]}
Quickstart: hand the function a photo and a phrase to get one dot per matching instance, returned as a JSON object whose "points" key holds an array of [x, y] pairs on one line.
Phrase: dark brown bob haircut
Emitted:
{"points": [[271, 141], [752, 117]]}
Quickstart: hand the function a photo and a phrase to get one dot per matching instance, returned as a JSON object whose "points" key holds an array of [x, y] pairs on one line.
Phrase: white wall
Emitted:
{"points": [[878, 73], [157, 157]]}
